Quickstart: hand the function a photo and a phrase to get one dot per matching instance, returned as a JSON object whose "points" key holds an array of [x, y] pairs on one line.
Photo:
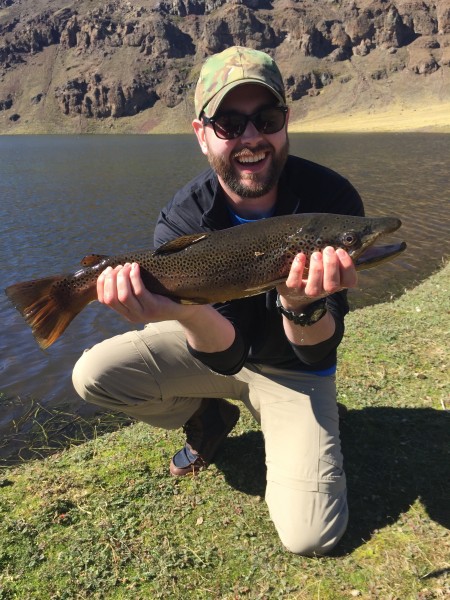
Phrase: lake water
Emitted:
{"points": [[64, 197]]}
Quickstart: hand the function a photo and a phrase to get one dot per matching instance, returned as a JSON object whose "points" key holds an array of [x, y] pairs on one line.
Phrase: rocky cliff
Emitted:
{"points": [[86, 65]]}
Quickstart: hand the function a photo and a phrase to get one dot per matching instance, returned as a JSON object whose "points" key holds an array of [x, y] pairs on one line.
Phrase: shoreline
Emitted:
{"points": [[434, 118]]}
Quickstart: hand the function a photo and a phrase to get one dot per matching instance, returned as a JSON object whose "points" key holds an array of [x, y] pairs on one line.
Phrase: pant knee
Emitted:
{"points": [[313, 541], [308, 523], [114, 375], [101, 373], [83, 379], [111, 371]]}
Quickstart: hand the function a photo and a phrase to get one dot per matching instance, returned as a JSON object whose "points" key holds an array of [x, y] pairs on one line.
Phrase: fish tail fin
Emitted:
{"points": [[48, 305]]}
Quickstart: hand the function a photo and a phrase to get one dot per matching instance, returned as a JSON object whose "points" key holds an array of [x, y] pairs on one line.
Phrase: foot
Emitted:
{"points": [[205, 431]]}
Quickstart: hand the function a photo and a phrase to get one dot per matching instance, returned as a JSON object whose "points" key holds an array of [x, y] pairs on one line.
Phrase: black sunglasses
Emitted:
{"points": [[229, 126]]}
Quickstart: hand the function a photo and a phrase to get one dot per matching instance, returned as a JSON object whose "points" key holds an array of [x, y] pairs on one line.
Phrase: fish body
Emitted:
{"points": [[207, 267]]}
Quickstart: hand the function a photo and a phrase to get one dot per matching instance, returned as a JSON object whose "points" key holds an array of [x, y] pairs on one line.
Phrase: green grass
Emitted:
{"points": [[103, 519]]}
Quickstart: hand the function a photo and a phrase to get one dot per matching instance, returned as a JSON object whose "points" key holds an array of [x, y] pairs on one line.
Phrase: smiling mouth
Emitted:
{"points": [[246, 158]]}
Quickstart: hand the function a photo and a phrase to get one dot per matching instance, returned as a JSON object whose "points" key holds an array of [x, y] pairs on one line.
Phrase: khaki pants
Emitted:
{"points": [[151, 376]]}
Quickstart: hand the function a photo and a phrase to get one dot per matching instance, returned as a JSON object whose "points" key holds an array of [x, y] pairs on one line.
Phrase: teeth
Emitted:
{"points": [[250, 158]]}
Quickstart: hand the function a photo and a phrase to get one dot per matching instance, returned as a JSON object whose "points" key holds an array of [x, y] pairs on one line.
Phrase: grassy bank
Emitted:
{"points": [[105, 520]]}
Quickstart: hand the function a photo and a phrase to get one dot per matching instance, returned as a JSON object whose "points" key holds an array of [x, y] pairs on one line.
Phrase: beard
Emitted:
{"points": [[253, 185]]}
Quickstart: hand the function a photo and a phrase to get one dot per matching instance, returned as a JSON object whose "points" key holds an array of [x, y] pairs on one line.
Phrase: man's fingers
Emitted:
{"points": [[106, 285], [136, 281], [115, 289], [294, 281], [101, 284], [349, 275], [314, 285], [331, 271], [125, 293], [338, 272]]}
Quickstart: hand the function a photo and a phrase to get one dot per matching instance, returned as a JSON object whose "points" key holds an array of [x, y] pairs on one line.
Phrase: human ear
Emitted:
{"points": [[200, 133]]}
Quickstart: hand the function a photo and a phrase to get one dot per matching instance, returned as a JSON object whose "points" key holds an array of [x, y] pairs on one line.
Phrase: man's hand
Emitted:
{"points": [[122, 289], [329, 271]]}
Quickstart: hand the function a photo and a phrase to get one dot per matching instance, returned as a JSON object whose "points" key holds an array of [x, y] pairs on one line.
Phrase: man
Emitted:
{"points": [[275, 352]]}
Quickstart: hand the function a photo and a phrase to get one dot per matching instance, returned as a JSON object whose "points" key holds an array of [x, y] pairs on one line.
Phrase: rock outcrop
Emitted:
{"points": [[120, 58]]}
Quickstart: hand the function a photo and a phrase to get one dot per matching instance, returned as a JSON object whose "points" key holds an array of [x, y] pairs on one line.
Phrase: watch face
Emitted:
{"points": [[311, 314], [317, 314]]}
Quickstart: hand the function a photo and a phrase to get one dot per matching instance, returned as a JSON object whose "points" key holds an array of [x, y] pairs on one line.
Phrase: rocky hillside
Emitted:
{"points": [[122, 66]]}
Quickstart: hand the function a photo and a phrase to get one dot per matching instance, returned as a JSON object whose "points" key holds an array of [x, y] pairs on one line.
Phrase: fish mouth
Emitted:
{"points": [[375, 255], [371, 255]]}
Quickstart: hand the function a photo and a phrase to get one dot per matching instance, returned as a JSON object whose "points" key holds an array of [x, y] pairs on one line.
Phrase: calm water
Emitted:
{"points": [[64, 197]]}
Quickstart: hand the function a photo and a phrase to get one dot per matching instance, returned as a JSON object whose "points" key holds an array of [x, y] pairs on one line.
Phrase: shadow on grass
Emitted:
{"points": [[392, 457]]}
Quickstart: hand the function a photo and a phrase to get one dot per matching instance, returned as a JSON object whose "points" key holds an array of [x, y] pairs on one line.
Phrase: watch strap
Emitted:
{"points": [[310, 314]]}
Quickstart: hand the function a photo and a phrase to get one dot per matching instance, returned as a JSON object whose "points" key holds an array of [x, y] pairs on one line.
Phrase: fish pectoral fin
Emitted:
{"points": [[252, 291], [180, 243], [187, 301], [92, 259]]}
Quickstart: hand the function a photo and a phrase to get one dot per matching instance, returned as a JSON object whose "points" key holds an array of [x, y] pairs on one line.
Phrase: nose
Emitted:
{"points": [[250, 132]]}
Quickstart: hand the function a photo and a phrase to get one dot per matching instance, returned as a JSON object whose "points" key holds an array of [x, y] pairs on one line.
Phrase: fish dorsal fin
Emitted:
{"points": [[180, 243], [92, 259]]}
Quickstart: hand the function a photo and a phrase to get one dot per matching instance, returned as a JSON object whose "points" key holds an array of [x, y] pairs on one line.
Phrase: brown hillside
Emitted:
{"points": [[69, 66]]}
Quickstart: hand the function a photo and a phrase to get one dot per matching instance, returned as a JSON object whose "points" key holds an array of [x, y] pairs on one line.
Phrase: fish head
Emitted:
{"points": [[359, 241], [367, 254], [356, 235]]}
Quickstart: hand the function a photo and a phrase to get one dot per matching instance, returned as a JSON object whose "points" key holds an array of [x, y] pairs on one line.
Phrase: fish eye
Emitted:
{"points": [[349, 239]]}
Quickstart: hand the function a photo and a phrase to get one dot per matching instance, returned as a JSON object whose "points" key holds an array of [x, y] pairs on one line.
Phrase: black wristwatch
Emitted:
{"points": [[310, 315]]}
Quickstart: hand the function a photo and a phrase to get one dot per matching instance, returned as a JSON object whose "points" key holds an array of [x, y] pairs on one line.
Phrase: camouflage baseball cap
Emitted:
{"points": [[234, 66]]}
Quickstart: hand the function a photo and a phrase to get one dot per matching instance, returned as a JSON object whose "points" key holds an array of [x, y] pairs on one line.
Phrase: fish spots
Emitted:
{"points": [[307, 243]]}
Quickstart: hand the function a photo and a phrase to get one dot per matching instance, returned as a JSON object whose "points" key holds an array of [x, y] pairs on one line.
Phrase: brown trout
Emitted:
{"points": [[207, 267]]}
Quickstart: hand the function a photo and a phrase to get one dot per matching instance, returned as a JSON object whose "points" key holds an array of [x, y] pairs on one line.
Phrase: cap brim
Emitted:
{"points": [[213, 105]]}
